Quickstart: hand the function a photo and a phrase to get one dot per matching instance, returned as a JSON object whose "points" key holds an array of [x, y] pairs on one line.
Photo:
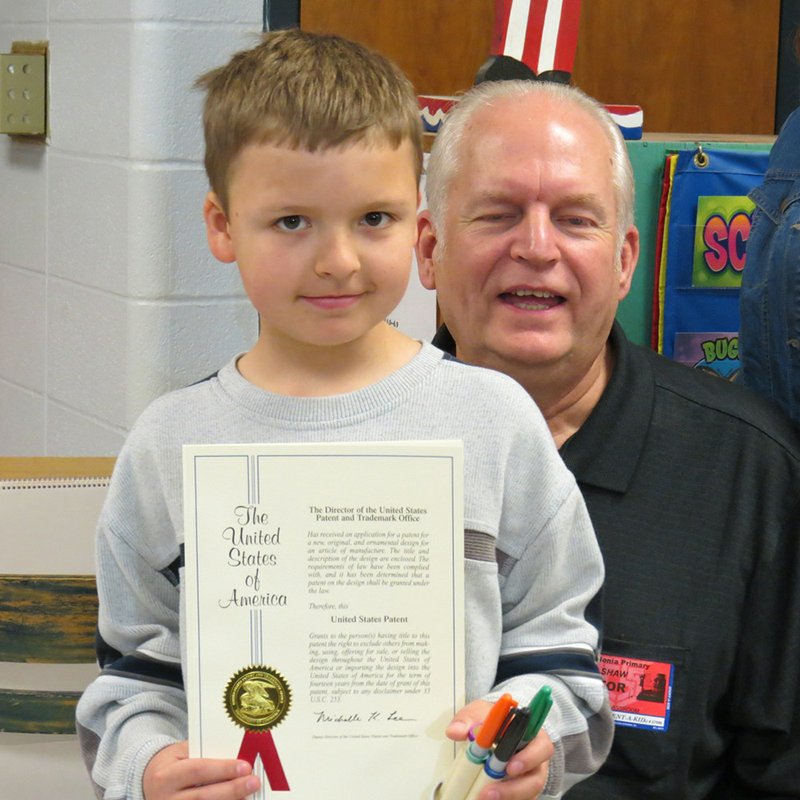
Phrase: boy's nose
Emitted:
{"points": [[337, 256], [534, 238]]}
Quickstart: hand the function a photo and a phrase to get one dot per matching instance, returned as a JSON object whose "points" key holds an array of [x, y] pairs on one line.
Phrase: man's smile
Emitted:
{"points": [[531, 299]]}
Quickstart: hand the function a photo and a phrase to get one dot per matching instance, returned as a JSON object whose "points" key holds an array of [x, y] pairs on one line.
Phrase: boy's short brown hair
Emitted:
{"points": [[304, 90]]}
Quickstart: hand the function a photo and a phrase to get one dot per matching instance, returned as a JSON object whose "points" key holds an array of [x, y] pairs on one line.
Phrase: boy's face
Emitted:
{"points": [[323, 240]]}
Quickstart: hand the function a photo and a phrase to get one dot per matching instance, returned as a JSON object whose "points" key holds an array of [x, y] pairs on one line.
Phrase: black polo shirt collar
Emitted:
{"points": [[444, 340], [605, 451]]}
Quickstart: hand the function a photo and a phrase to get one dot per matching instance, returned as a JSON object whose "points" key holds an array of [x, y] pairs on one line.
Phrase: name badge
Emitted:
{"points": [[640, 691]]}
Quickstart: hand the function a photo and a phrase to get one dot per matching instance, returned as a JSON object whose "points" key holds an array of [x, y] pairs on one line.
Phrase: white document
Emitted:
{"points": [[324, 613]]}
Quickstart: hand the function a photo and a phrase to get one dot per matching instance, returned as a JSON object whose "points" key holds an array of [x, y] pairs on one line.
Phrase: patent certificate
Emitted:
{"points": [[324, 607]]}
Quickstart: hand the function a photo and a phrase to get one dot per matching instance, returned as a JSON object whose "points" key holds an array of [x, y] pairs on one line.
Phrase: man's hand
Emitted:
{"points": [[171, 774], [527, 770]]}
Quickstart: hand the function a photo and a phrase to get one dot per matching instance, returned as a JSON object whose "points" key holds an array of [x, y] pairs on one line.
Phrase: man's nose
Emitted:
{"points": [[534, 238], [337, 256]]}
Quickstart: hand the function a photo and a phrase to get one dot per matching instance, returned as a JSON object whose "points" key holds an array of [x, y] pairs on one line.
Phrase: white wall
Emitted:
{"points": [[108, 296]]}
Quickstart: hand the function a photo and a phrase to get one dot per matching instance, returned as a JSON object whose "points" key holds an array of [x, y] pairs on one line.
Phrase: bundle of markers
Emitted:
{"points": [[505, 731]]}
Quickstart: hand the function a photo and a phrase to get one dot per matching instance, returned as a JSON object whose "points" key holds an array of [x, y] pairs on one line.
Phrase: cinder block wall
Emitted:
{"points": [[108, 296]]}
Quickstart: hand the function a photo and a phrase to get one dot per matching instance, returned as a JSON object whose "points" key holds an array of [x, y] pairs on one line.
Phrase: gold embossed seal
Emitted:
{"points": [[257, 698]]}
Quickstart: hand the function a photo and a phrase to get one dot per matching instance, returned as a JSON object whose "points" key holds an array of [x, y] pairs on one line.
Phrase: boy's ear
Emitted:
{"points": [[426, 245], [217, 230]]}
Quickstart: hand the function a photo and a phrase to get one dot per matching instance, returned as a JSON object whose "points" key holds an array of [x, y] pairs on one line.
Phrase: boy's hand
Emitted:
{"points": [[171, 774], [527, 770]]}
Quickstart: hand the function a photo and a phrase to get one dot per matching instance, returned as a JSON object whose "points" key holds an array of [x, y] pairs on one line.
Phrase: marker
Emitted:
{"points": [[538, 709], [522, 727], [494, 769], [490, 727], [467, 766]]}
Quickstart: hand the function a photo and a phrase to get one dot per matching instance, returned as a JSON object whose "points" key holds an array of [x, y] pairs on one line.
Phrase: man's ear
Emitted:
{"points": [[629, 256], [426, 244], [217, 230]]}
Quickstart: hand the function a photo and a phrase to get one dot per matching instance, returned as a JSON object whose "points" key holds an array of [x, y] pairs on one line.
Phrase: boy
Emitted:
{"points": [[313, 151]]}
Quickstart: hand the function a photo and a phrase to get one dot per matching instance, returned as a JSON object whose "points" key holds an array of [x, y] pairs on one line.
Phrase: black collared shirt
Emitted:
{"points": [[693, 486]]}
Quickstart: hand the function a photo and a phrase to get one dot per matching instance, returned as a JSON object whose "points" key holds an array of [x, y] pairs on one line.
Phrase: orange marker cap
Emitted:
{"points": [[494, 719]]}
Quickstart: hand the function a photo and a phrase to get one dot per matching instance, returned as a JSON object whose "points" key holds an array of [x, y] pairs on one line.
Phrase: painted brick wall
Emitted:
{"points": [[108, 295]]}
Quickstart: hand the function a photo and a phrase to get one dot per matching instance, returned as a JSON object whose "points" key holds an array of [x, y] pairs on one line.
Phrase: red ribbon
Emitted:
{"points": [[260, 743]]}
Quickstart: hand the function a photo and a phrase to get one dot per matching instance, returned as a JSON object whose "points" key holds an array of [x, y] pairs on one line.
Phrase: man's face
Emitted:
{"points": [[529, 274]]}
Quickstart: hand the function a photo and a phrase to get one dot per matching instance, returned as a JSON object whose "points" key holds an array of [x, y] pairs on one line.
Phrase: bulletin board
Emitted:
{"points": [[647, 158]]}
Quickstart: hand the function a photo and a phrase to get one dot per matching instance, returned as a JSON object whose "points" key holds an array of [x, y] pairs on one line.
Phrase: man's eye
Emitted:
{"points": [[577, 222], [496, 216], [292, 223], [376, 219]]}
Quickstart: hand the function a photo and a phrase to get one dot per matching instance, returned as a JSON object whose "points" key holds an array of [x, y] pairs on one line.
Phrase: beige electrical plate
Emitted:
{"points": [[23, 94]]}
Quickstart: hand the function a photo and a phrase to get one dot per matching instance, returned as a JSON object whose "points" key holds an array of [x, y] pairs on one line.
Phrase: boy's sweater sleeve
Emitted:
{"points": [[549, 578], [137, 705], [550, 636]]}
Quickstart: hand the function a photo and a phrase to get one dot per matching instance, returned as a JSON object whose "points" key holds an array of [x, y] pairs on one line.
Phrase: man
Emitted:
{"points": [[693, 484]]}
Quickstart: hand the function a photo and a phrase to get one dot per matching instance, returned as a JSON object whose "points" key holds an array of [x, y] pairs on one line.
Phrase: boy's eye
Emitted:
{"points": [[376, 219], [292, 223]]}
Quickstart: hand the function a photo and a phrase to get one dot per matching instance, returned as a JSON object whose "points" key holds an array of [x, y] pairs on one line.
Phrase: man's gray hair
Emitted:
{"points": [[446, 151]]}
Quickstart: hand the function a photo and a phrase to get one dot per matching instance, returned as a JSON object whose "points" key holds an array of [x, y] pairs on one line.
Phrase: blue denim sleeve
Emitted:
{"points": [[769, 332]]}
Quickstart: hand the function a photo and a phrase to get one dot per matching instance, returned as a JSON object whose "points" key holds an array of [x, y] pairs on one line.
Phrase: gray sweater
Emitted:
{"points": [[532, 564]]}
